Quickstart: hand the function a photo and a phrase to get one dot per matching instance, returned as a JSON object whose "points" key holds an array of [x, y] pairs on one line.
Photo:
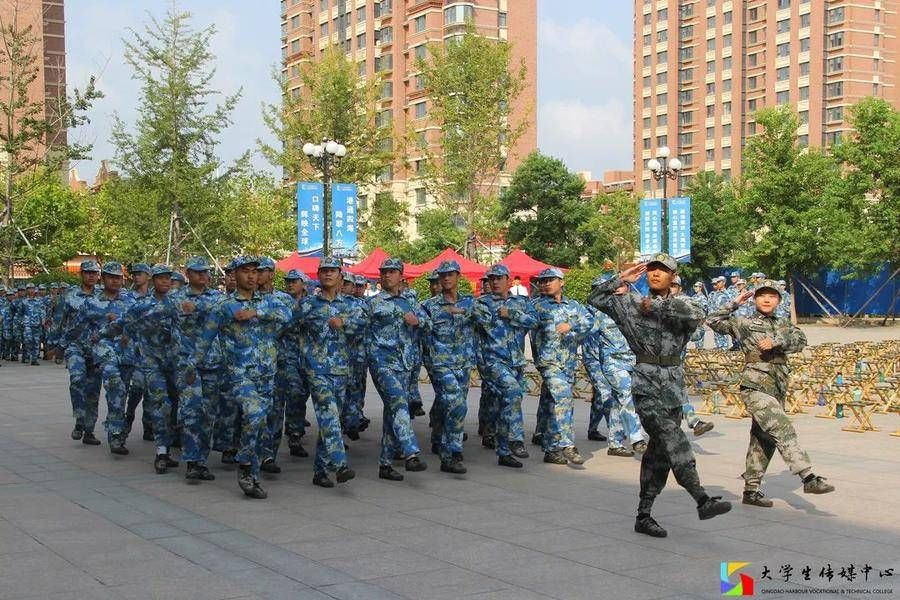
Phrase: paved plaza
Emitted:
{"points": [[78, 523]]}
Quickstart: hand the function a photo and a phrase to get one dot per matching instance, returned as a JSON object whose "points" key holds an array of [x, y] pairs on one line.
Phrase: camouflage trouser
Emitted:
{"points": [[227, 426], [292, 384], [414, 398], [723, 342], [689, 414], [560, 406], [162, 392], [505, 385], [542, 423], [397, 433], [84, 386], [435, 413], [137, 392], [613, 400], [451, 391], [247, 388], [771, 430], [328, 393], [488, 406], [668, 449], [31, 342], [196, 414], [116, 378], [352, 410], [272, 435]]}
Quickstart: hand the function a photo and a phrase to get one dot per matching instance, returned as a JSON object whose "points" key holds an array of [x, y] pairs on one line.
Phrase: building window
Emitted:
{"points": [[421, 110], [295, 46], [782, 4], [710, 132], [805, 20], [686, 118], [751, 105], [295, 21], [323, 5], [710, 88], [711, 45], [647, 60], [458, 14], [662, 120], [710, 154], [726, 174], [805, 45], [710, 66], [387, 90], [782, 97], [662, 35], [385, 62], [685, 54], [647, 39], [648, 18], [752, 60], [662, 14], [420, 197], [726, 85], [832, 138], [421, 51], [804, 93], [711, 22], [836, 40], [360, 14], [662, 140], [726, 63], [685, 139], [647, 102], [646, 145], [646, 81], [420, 24], [804, 117], [783, 50], [834, 90], [726, 18], [726, 131], [751, 128], [751, 82], [835, 64], [662, 78], [753, 14], [502, 19], [783, 74], [803, 141], [323, 29], [710, 111], [361, 41], [804, 69], [662, 57], [836, 15], [662, 99], [783, 26], [726, 40], [726, 153], [361, 68], [384, 118], [686, 32], [686, 75], [834, 114], [753, 36], [647, 123]]}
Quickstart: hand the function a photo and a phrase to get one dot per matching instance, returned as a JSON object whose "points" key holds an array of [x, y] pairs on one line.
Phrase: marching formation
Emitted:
{"points": [[232, 371]]}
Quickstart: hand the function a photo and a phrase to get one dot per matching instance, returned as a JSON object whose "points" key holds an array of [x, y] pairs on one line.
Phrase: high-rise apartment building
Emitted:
{"points": [[702, 67], [386, 37]]}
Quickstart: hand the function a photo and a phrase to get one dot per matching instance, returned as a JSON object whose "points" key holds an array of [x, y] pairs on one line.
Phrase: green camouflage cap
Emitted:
{"points": [[767, 284], [665, 260]]}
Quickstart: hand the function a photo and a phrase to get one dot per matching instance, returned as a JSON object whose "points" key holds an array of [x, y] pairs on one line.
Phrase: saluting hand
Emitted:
{"points": [[634, 273], [743, 297]]}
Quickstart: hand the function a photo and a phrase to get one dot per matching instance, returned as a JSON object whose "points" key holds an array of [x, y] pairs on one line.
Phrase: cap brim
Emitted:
{"points": [[662, 264], [766, 287]]}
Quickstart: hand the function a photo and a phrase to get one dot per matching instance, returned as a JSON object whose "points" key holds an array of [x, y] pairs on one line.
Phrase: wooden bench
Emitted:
{"points": [[861, 415]]}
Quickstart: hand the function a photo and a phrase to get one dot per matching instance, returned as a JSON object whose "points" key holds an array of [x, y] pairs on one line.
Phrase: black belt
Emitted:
{"points": [[663, 360]]}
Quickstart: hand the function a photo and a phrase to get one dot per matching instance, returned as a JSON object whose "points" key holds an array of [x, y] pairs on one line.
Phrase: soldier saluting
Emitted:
{"points": [[657, 328]]}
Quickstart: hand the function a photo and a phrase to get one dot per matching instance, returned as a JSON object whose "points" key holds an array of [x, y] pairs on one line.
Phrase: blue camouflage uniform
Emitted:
{"points": [[325, 361], [783, 310], [113, 351], [32, 317], [200, 398], [356, 380], [450, 347], [291, 385], [5, 322], [138, 386], [415, 398], [700, 298], [71, 334], [501, 347], [242, 359], [557, 360], [393, 348], [717, 300]]}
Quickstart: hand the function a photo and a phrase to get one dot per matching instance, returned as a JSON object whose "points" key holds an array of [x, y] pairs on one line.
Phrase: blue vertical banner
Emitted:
{"points": [[343, 219], [310, 218], [680, 228], [651, 227]]}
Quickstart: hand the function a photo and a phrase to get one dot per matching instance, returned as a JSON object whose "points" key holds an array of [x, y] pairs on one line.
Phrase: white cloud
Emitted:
{"points": [[587, 41], [587, 136]]}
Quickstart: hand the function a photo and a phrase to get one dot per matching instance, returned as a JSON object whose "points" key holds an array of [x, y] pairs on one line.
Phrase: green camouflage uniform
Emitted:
{"points": [[764, 384]]}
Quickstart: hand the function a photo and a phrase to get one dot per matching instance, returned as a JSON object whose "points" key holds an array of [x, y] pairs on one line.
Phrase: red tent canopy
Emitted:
{"points": [[368, 266], [304, 264], [469, 269], [522, 265]]}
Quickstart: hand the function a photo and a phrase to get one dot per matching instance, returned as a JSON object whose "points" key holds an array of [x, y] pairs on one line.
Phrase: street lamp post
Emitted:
{"points": [[664, 168], [325, 157]]}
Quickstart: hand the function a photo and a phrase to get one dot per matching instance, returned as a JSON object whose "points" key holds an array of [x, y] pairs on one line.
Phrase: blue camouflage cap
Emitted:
{"points": [[42, 287], [781, 282], [140, 268], [698, 284], [29, 286], [177, 276], [330, 262], [240, 261], [293, 275], [720, 278], [758, 274], [601, 278], [551, 273], [433, 276], [348, 278], [497, 270], [113, 268], [360, 280], [90, 266], [448, 266], [266, 263], [160, 269], [198, 264], [677, 281], [391, 263], [735, 273]]}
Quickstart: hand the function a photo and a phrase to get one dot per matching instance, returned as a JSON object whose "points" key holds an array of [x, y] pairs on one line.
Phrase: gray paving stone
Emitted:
{"points": [[358, 591], [155, 530]]}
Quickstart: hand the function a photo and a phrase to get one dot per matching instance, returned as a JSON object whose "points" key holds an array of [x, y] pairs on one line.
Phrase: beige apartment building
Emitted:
{"points": [[385, 38], [702, 67]]}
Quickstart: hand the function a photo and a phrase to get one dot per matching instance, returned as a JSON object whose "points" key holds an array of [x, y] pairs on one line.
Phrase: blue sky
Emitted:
{"points": [[584, 72]]}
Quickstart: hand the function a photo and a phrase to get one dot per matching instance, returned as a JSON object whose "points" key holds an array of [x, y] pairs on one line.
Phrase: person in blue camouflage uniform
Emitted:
{"points": [[243, 322], [18, 309], [71, 335], [178, 280], [140, 287], [5, 323], [700, 297], [153, 322], [609, 361], [687, 409], [414, 398], [112, 350], [435, 418], [562, 324], [487, 404], [201, 390], [351, 411], [227, 424], [766, 340], [356, 381], [326, 322], [501, 322], [784, 307], [395, 320], [272, 330], [718, 298], [657, 328], [32, 317], [291, 386], [451, 354]]}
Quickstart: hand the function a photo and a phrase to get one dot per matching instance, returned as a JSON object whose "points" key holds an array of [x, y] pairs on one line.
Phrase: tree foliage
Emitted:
{"points": [[334, 102], [714, 238], [613, 228], [438, 230], [546, 212], [384, 226], [471, 85]]}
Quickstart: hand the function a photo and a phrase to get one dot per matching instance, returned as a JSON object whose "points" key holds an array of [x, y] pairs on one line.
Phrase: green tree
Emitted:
{"points": [[613, 226], [546, 212], [792, 201], [384, 226], [438, 229], [33, 127], [334, 102], [260, 216], [715, 237], [871, 160], [170, 159], [472, 85]]}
